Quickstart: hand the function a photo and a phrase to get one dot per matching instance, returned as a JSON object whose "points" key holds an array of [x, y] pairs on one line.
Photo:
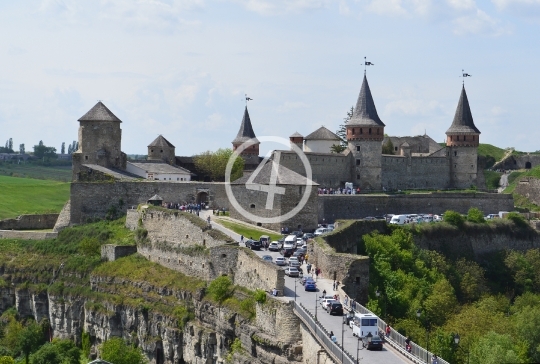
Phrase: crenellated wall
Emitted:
{"points": [[29, 222]]}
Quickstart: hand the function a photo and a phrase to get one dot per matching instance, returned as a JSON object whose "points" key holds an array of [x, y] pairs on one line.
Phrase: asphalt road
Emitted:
{"points": [[295, 290]]}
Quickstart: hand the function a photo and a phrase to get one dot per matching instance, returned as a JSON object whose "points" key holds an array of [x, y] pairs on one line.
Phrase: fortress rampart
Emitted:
{"points": [[335, 207], [29, 222]]}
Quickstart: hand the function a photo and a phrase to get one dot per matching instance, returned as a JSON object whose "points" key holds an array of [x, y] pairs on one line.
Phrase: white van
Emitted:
{"points": [[398, 219], [362, 324], [290, 239]]}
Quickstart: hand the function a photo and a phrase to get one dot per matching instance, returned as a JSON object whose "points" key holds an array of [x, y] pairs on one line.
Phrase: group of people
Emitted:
{"points": [[188, 207], [338, 191]]}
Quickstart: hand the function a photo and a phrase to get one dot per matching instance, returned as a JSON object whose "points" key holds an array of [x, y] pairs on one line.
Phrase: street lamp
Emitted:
{"points": [[342, 335], [418, 314], [369, 337], [378, 294], [456, 341]]}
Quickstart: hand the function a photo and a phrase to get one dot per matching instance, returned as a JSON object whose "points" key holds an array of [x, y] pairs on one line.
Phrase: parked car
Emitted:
{"points": [[301, 250], [267, 258], [294, 263], [329, 303], [274, 246], [307, 236], [297, 233], [286, 252], [289, 245], [375, 344], [335, 309], [280, 261], [307, 279], [299, 253], [255, 245], [320, 231], [292, 272], [311, 286], [326, 301]]}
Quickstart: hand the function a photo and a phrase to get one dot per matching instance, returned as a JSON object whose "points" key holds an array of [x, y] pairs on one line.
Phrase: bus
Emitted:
{"points": [[364, 323]]}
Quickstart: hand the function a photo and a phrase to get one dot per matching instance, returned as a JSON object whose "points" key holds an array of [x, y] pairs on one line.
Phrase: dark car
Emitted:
{"points": [[249, 242], [307, 236], [255, 245], [297, 233], [307, 279], [335, 309], [375, 344], [287, 252], [299, 253]]}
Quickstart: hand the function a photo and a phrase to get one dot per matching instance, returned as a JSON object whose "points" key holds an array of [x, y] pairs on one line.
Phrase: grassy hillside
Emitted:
{"points": [[31, 196], [520, 201], [37, 171]]}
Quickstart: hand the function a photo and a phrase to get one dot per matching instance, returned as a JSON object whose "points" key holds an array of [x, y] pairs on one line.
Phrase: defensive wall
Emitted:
{"points": [[27, 235], [524, 161], [335, 207], [200, 252], [111, 252], [530, 188], [29, 222], [91, 200], [401, 172]]}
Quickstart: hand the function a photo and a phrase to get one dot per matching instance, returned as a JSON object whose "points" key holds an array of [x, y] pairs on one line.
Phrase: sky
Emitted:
{"points": [[181, 68]]}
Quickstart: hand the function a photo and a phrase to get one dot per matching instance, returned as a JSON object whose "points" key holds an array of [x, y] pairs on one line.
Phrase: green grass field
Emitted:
{"points": [[32, 170], [491, 150], [247, 231], [20, 196]]}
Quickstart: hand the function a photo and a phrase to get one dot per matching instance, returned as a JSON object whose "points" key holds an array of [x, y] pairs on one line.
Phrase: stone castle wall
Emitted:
{"points": [[27, 235], [400, 173], [530, 188], [518, 162], [111, 252], [334, 207], [90, 200], [29, 222], [328, 170]]}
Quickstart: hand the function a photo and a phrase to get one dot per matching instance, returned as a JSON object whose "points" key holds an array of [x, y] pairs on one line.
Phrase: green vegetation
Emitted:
{"points": [[453, 218], [247, 231], [213, 164], [475, 215], [57, 170], [236, 347], [494, 305], [31, 196], [492, 154], [492, 179], [116, 351], [220, 289], [59, 351], [522, 203]]}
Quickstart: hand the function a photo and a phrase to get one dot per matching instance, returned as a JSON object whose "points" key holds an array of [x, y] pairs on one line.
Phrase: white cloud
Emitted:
{"points": [[272, 7], [462, 4], [478, 22], [524, 8], [400, 7]]}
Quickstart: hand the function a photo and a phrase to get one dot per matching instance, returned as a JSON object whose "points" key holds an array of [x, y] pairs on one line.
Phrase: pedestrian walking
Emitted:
{"points": [[241, 236]]}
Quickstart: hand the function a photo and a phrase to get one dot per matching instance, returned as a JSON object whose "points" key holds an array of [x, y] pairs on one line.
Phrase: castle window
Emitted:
{"points": [[451, 138], [464, 138], [258, 224], [178, 179], [377, 131], [358, 162], [161, 151], [361, 131], [473, 138], [252, 206], [357, 148], [357, 176], [369, 131], [455, 154], [395, 149], [353, 131], [458, 138], [299, 190], [85, 157]]}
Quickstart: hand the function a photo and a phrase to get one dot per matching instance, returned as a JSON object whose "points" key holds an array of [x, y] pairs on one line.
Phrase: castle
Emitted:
{"points": [[416, 163]]}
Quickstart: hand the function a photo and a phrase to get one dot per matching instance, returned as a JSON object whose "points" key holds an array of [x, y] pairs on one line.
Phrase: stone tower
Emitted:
{"points": [[462, 139], [365, 133], [244, 134], [297, 139], [161, 150], [100, 139]]}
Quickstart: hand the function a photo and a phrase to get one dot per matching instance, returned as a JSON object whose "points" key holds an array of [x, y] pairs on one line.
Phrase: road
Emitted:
{"points": [[331, 323], [503, 182]]}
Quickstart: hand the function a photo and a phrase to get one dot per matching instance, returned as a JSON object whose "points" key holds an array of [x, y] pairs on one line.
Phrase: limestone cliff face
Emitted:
{"points": [[273, 336]]}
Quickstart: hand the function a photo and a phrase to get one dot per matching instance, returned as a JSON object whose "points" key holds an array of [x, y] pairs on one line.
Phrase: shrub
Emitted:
{"points": [[517, 219], [260, 296], [220, 288], [475, 215], [116, 351], [453, 218], [184, 314]]}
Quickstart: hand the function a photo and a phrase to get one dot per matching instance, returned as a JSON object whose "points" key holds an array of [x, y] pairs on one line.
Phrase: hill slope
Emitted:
{"points": [[31, 196]]}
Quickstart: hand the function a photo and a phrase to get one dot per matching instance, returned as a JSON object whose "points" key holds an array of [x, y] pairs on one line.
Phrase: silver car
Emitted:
{"points": [[280, 261], [292, 272]]}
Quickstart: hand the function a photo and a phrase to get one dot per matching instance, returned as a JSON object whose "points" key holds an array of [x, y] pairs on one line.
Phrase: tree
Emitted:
{"points": [[42, 151], [116, 351], [10, 145], [388, 147], [29, 340], [220, 288], [454, 218], [21, 148], [475, 215], [495, 348], [7, 360], [214, 164], [63, 148], [59, 351], [342, 133]]}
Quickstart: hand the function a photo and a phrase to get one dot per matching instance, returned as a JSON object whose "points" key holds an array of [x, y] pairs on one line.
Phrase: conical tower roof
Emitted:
{"points": [[463, 120], [160, 141], [246, 130], [99, 112], [365, 112]]}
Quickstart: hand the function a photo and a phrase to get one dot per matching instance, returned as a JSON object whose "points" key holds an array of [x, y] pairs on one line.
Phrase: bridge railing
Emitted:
{"points": [[417, 354], [323, 337]]}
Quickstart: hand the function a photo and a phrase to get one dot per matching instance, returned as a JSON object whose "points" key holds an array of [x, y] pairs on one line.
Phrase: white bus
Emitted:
{"points": [[362, 324]]}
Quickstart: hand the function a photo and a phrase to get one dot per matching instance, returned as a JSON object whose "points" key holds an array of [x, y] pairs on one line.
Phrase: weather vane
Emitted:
{"points": [[248, 99], [366, 63], [464, 74]]}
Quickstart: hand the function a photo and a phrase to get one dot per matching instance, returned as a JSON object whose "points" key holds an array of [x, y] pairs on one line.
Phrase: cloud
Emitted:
{"points": [[478, 22], [411, 106], [400, 7], [273, 7], [525, 8], [462, 4]]}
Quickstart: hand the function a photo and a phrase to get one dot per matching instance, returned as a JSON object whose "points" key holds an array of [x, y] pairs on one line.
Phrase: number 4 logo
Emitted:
{"points": [[271, 189]]}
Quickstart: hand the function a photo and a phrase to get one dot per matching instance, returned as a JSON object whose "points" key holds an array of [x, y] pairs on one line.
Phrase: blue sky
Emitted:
{"points": [[181, 68]]}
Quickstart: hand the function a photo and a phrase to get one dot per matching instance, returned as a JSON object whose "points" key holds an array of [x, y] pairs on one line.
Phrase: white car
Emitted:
{"points": [[292, 272], [326, 301], [291, 259], [274, 246], [280, 261], [320, 231]]}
